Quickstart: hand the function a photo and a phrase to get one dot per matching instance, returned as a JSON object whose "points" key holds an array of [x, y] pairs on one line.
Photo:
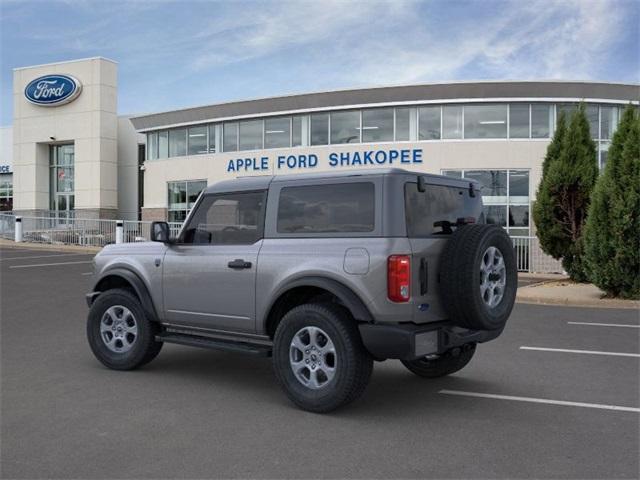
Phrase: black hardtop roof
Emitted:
{"points": [[262, 182]]}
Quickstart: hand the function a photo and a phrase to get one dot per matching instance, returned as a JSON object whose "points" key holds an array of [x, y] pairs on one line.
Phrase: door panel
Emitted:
{"points": [[209, 276], [201, 290]]}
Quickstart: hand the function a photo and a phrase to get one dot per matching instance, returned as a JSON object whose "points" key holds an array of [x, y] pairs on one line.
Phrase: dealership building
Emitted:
{"points": [[69, 151]]}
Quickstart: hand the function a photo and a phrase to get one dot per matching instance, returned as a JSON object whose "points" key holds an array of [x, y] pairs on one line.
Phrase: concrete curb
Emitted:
{"points": [[570, 296], [47, 247]]}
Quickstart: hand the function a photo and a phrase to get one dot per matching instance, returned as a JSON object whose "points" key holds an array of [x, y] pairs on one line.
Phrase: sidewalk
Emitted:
{"points": [[46, 246], [560, 291]]}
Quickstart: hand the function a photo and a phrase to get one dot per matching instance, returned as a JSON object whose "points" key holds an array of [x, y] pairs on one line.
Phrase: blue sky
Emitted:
{"points": [[179, 54]]}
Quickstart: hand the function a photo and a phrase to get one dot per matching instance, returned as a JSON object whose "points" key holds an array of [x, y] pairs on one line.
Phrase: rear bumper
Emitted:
{"points": [[409, 341]]}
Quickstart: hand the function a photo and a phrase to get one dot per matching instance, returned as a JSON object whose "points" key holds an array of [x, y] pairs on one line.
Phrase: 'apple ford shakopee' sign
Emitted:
{"points": [[53, 90]]}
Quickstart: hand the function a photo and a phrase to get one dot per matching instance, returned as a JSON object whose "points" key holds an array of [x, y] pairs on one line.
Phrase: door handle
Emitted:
{"points": [[239, 264]]}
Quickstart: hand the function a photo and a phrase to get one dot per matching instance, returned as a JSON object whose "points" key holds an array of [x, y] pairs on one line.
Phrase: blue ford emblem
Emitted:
{"points": [[52, 90]]}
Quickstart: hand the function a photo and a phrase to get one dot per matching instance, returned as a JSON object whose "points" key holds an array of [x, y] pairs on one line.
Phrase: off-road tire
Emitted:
{"points": [[353, 363], [460, 277], [144, 349], [448, 363]]}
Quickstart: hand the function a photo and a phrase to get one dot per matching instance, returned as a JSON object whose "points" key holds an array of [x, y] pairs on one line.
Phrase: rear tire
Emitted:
{"points": [[319, 359], [120, 334], [452, 361]]}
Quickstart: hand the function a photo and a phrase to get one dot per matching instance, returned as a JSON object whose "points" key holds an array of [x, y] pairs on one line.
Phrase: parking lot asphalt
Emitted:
{"points": [[195, 413]]}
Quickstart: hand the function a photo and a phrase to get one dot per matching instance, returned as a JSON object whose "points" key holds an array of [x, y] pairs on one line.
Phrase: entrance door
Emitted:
{"points": [[62, 181], [209, 276]]}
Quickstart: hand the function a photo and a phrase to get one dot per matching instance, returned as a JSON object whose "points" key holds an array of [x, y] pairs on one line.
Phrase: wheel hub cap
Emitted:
{"points": [[118, 329], [312, 357], [493, 277]]}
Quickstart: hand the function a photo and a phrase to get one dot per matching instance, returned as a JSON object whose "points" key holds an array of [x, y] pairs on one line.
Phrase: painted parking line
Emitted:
{"points": [[43, 256], [50, 264], [604, 324], [540, 400], [589, 352]]}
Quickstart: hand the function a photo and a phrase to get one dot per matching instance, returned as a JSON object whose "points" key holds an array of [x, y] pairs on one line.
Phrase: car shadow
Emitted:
{"points": [[388, 389]]}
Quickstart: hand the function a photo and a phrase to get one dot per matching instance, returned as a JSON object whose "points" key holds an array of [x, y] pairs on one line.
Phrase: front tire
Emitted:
{"points": [[319, 359], [120, 334], [452, 361]]}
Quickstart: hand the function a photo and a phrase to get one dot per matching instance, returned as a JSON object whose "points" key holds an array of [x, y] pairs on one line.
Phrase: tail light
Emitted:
{"points": [[399, 278]]}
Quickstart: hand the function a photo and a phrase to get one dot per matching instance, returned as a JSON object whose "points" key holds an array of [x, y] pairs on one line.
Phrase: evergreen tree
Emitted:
{"points": [[544, 209], [612, 233], [563, 197]]}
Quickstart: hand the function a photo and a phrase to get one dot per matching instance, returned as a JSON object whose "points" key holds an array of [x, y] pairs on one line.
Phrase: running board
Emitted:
{"points": [[217, 344]]}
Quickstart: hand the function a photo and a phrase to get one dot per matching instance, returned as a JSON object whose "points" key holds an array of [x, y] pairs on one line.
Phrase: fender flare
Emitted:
{"points": [[350, 300], [136, 283]]}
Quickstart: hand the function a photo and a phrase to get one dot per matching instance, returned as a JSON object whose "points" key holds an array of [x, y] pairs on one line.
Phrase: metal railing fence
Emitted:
{"points": [[68, 231], [530, 257], [7, 226], [98, 233]]}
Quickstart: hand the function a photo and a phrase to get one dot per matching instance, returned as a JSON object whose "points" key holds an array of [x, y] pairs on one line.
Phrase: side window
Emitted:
{"points": [[227, 219], [338, 208]]}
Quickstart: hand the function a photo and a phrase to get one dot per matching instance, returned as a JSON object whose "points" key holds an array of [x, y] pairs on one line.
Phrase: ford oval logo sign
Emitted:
{"points": [[53, 90]]}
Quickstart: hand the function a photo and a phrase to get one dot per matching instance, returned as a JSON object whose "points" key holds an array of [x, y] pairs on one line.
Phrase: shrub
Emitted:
{"points": [[560, 211], [612, 233]]}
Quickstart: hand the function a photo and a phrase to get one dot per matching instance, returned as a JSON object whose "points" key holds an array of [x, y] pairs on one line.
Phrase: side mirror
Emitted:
{"points": [[160, 232]]}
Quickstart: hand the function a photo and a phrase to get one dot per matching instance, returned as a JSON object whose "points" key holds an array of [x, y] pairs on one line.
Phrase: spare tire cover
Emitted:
{"points": [[478, 277]]}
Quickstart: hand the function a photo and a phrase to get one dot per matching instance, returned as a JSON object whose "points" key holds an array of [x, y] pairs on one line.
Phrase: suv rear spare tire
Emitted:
{"points": [[478, 277]]}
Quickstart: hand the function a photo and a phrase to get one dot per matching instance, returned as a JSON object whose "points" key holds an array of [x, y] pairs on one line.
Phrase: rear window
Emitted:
{"points": [[337, 208], [437, 203]]}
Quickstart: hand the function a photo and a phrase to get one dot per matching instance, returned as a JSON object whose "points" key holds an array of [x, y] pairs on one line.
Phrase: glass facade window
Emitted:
{"points": [[61, 183], [485, 121], [345, 127], [403, 124], [251, 135], [277, 132], [519, 186], [377, 125], [568, 109], [197, 140], [608, 122], [6, 192], [519, 120], [163, 144], [181, 198], [541, 120], [429, 123], [505, 194], [178, 142], [320, 129], [152, 146], [604, 152], [212, 138], [518, 217], [296, 131], [380, 124], [230, 137], [452, 121], [592, 117]]}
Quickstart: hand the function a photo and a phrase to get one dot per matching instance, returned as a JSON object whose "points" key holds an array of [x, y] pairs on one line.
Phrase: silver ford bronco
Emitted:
{"points": [[324, 272]]}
